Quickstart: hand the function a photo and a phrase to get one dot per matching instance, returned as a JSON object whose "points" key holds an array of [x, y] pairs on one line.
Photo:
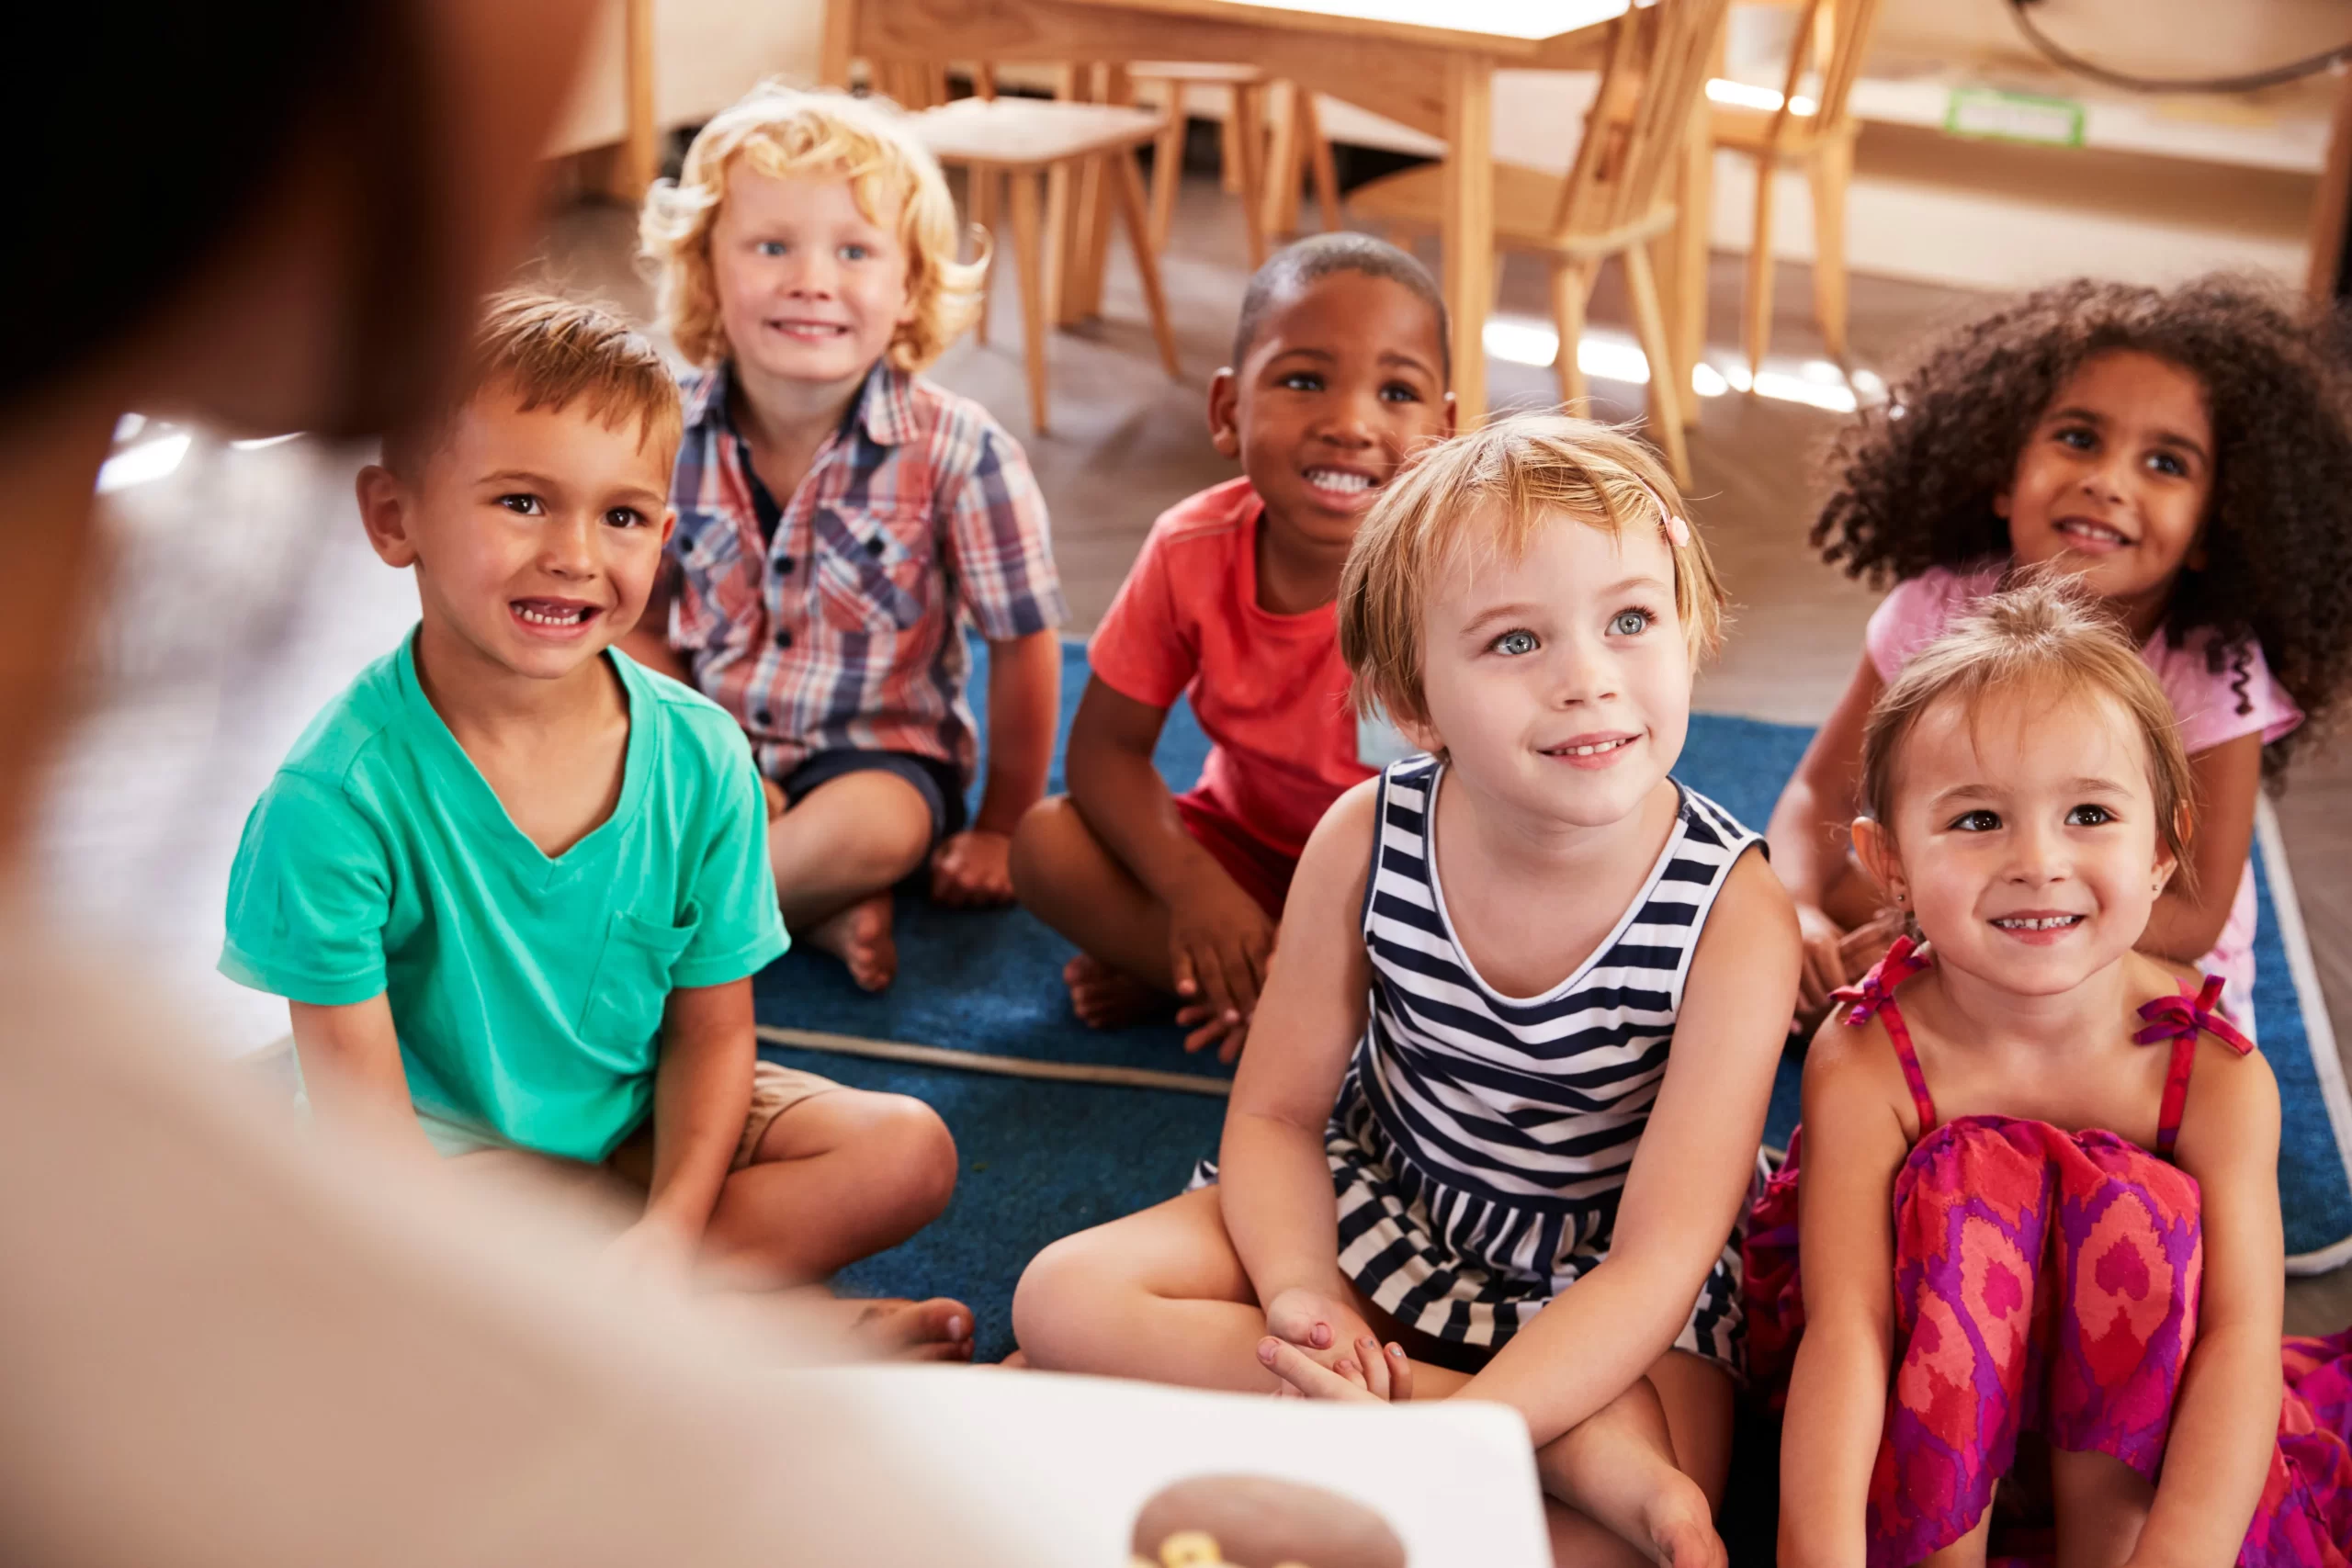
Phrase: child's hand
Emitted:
{"points": [[1318, 1323], [972, 870], [652, 1255], [1205, 1026], [1374, 1373], [1825, 959], [1220, 944]]}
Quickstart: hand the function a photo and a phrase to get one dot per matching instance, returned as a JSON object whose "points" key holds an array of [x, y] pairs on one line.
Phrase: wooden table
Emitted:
{"points": [[1428, 63]]}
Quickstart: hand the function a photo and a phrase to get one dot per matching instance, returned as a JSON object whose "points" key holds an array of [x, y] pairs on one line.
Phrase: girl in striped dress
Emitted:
{"points": [[1500, 1107]]}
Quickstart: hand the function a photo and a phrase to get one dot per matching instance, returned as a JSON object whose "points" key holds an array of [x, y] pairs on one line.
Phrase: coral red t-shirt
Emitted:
{"points": [[1271, 691]]}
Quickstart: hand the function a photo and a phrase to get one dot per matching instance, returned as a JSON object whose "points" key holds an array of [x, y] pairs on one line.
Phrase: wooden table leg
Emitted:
{"points": [[840, 41], [979, 185], [1318, 154], [1279, 212], [1128, 180], [1082, 291], [1469, 234], [1686, 288], [640, 150], [1111, 85], [1249, 138], [1029, 249]]}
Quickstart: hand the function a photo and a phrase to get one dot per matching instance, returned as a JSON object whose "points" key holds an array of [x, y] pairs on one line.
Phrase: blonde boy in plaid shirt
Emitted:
{"points": [[838, 517]]}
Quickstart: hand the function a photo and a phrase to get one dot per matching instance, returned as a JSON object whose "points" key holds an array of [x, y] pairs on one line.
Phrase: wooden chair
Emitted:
{"points": [[1242, 150], [1263, 151], [1021, 140], [1297, 139], [1818, 129], [1617, 198]]}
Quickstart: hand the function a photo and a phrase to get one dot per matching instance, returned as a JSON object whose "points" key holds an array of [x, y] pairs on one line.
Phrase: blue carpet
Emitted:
{"points": [[1043, 1160]]}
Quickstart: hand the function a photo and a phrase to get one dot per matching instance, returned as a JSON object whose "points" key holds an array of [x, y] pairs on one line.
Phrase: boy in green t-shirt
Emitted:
{"points": [[514, 887]]}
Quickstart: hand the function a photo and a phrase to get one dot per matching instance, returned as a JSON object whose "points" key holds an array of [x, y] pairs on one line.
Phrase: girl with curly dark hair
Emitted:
{"points": [[2186, 453]]}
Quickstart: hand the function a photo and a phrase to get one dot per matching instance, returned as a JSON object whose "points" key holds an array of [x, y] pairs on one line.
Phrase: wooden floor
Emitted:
{"points": [[246, 595]]}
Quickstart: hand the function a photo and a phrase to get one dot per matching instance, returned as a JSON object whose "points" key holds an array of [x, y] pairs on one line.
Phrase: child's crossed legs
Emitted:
{"points": [[826, 1175], [1161, 1295], [847, 827], [1132, 941]]}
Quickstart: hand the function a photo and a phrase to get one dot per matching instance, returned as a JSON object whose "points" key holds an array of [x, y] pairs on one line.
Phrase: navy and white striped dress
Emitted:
{"points": [[1480, 1141]]}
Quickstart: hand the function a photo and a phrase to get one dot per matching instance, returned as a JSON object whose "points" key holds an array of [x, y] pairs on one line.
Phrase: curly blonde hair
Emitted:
{"points": [[1506, 480], [785, 132]]}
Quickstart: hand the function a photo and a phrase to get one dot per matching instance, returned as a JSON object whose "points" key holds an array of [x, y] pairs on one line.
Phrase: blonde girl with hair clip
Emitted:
{"points": [[2036, 1193], [1500, 1115]]}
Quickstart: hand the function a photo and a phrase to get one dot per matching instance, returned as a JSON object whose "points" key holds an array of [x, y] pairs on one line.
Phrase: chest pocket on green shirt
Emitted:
{"points": [[632, 979]]}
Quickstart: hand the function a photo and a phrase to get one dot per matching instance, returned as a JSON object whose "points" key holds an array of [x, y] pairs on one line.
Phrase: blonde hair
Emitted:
{"points": [[2044, 632], [786, 133], [550, 352], [1503, 481]]}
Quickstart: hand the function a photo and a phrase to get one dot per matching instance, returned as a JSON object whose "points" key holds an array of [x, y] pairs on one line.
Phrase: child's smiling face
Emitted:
{"points": [[1341, 385], [2025, 838], [535, 534], [810, 288], [1560, 681], [2114, 479]]}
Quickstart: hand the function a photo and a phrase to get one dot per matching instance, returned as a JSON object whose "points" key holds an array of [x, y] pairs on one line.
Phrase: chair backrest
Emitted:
{"points": [[1831, 36], [1659, 57]]}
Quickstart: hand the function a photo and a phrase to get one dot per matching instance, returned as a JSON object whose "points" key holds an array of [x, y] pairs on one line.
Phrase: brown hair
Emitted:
{"points": [[2045, 632], [784, 132], [1506, 480], [550, 352]]}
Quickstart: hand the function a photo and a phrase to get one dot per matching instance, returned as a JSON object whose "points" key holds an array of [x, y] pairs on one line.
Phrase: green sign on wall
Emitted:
{"points": [[2014, 117]]}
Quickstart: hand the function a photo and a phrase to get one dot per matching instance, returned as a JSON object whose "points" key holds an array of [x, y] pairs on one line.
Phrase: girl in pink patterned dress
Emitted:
{"points": [[2186, 455], [2038, 1209]]}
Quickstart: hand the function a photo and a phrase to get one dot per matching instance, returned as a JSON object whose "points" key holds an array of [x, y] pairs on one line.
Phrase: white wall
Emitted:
{"points": [[706, 54]]}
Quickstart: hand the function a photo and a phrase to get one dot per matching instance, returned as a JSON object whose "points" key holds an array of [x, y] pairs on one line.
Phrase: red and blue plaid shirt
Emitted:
{"points": [[843, 629]]}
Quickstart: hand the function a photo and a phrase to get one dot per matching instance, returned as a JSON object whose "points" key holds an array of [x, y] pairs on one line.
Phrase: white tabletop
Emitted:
{"points": [[1508, 21]]}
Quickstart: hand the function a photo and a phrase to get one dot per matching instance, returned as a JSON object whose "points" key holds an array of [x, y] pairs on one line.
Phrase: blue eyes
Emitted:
{"points": [[1520, 641], [849, 253]]}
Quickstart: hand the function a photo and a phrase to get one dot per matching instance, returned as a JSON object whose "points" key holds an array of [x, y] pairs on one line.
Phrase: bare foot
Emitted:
{"points": [[935, 1330], [860, 937], [1104, 998], [1682, 1528]]}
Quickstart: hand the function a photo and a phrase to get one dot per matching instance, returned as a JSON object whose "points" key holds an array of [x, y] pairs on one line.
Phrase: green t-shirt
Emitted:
{"points": [[527, 991]]}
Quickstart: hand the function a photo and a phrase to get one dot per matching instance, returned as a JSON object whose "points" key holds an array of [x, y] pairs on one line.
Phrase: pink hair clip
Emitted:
{"points": [[1679, 531]]}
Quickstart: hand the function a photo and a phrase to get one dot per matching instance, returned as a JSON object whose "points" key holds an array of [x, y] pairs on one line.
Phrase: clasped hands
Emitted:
{"points": [[1321, 1348]]}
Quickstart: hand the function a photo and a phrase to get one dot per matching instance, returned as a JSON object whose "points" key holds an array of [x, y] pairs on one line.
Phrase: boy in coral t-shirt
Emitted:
{"points": [[1339, 374]]}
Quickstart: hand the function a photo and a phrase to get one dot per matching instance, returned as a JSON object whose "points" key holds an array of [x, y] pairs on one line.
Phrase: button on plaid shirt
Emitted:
{"points": [[842, 631]]}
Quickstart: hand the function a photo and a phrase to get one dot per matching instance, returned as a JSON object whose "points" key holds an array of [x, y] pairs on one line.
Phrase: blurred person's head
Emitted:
{"points": [[532, 501], [808, 235], [343, 182]]}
